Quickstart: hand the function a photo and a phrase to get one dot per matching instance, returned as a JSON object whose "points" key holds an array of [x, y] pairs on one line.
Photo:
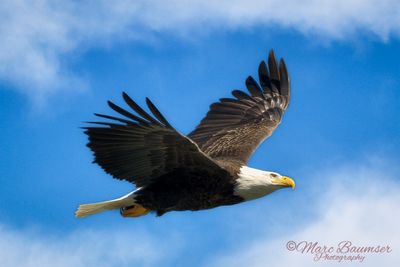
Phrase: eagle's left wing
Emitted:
{"points": [[141, 148], [234, 127]]}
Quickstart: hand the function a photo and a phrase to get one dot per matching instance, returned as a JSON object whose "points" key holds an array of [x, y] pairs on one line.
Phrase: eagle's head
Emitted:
{"points": [[280, 180], [252, 183]]}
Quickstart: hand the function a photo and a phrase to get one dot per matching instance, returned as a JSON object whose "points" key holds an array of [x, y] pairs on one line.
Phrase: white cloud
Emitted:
{"points": [[117, 247], [38, 37], [361, 207]]}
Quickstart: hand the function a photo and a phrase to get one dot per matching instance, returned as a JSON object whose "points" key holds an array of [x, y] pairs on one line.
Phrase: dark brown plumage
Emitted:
{"points": [[234, 127], [198, 171]]}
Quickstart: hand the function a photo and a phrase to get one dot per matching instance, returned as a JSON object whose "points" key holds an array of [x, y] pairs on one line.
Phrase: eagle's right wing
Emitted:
{"points": [[234, 127], [141, 148]]}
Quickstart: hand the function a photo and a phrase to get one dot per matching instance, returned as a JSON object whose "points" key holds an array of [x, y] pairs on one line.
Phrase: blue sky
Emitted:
{"points": [[339, 136]]}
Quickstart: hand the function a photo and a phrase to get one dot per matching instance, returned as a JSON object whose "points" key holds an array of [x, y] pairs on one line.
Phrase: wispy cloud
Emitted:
{"points": [[39, 36], [360, 206], [117, 247]]}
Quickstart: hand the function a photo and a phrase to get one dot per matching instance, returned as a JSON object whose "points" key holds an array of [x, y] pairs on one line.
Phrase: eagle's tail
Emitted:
{"points": [[90, 209]]}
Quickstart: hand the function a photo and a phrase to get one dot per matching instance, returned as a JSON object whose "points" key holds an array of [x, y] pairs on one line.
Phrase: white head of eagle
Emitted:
{"points": [[204, 169], [254, 183]]}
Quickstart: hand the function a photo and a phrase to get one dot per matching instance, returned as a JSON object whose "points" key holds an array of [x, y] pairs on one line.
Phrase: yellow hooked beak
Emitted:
{"points": [[285, 181]]}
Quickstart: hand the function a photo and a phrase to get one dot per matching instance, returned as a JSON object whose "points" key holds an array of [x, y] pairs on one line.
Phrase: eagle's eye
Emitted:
{"points": [[274, 175]]}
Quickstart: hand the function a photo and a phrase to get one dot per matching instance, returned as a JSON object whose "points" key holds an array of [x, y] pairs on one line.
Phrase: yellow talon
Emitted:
{"points": [[134, 211]]}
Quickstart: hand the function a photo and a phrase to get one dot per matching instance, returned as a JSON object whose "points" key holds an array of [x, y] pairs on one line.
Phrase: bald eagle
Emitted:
{"points": [[202, 170]]}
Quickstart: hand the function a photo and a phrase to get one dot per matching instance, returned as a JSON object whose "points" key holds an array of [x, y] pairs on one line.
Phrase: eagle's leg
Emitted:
{"points": [[134, 211]]}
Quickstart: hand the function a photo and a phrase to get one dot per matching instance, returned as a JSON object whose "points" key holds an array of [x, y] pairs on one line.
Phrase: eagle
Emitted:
{"points": [[202, 170]]}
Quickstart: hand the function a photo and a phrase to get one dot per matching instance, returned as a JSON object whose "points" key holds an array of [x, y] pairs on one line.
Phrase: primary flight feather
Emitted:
{"points": [[205, 169]]}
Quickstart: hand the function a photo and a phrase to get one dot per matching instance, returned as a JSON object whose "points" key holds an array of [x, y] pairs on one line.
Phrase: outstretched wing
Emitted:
{"points": [[140, 148], [234, 127]]}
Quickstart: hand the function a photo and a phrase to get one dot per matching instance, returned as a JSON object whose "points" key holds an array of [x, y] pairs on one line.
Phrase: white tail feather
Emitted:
{"points": [[93, 208]]}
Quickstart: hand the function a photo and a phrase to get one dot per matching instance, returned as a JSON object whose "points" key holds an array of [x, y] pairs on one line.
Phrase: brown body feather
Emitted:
{"points": [[175, 172]]}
